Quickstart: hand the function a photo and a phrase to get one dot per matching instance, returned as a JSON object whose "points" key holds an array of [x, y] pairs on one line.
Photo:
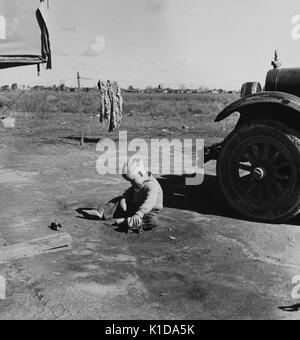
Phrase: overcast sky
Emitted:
{"points": [[212, 43]]}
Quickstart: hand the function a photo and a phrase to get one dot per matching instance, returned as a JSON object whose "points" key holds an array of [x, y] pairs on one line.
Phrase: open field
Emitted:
{"points": [[46, 116], [203, 262]]}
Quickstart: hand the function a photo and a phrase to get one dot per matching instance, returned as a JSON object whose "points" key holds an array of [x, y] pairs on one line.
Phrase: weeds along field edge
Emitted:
{"points": [[141, 104], [66, 115]]}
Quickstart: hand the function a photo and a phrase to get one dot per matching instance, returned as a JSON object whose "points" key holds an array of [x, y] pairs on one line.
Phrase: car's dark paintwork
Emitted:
{"points": [[284, 80], [279, 98], [282, 89]]}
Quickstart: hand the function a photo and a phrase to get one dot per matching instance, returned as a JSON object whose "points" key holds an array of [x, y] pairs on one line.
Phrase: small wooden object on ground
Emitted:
{"points": [[52, 243]]}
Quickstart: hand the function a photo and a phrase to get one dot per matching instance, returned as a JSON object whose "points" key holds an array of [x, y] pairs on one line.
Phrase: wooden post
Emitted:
{"points": [[78, 81], [80, 111]]}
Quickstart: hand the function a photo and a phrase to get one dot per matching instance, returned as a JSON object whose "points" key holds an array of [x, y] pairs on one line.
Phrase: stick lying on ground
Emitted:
{"points": [[59, 241]]}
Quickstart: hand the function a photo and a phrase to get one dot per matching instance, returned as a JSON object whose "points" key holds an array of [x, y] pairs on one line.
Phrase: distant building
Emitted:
{"points": [[5, 88], [38, 88], [213, 91], [131, 89]]}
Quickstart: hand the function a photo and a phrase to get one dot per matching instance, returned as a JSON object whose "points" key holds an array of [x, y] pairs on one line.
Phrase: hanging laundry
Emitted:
{"points": [[111, 104], [102, 88]]}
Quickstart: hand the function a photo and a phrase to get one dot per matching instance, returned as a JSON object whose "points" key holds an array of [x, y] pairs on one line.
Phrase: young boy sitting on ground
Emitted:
{"points": [[140, 205]]}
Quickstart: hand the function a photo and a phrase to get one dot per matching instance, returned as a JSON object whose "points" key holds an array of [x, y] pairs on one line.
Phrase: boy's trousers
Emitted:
{"points": [[113, 210]]}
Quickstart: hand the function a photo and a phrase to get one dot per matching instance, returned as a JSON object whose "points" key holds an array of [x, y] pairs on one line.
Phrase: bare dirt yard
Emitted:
{"points": [[203, 262]]}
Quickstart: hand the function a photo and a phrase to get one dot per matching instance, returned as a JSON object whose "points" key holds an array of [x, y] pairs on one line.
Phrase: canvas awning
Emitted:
{"points": [[24, 36], [14, 61]]}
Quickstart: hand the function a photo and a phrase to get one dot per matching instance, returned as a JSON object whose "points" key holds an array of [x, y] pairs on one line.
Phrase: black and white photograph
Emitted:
{"points": [[149, 162]]}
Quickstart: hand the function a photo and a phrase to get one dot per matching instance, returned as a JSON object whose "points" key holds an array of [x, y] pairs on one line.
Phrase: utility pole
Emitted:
{"points": [[80, 110], [78, 81]]}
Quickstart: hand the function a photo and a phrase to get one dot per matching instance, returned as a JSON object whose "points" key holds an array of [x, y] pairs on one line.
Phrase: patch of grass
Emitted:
{"points": [[134, 104], [146, 116], [170, 104]]}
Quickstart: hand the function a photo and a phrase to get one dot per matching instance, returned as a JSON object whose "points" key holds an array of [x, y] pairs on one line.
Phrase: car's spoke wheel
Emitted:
{"points": [[259, 171]]}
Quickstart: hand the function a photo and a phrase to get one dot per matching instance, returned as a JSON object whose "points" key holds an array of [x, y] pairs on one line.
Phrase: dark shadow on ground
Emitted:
{"points": [[294, 221], [86, 139], [206, 199], [290, 309]]}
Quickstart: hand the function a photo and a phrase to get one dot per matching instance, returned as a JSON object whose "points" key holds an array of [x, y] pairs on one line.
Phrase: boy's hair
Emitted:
{"points": [[133, 167]]}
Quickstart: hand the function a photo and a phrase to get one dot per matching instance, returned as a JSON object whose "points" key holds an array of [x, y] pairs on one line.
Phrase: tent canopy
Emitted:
{"points": [[24, 37]]}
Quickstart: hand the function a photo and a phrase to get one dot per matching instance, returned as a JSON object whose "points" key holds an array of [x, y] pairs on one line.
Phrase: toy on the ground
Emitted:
{"points": [[123, 222], [56, 226]]}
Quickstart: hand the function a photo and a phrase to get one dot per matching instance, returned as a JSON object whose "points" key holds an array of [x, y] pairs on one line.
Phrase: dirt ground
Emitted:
{"points": [[203, 262]]}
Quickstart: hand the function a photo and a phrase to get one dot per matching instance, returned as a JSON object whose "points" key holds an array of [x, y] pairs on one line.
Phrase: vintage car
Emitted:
{"points": [[258, 164]]}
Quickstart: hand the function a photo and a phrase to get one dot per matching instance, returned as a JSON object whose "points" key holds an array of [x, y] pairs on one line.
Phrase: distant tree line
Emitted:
{"points": [[160, 89]]}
